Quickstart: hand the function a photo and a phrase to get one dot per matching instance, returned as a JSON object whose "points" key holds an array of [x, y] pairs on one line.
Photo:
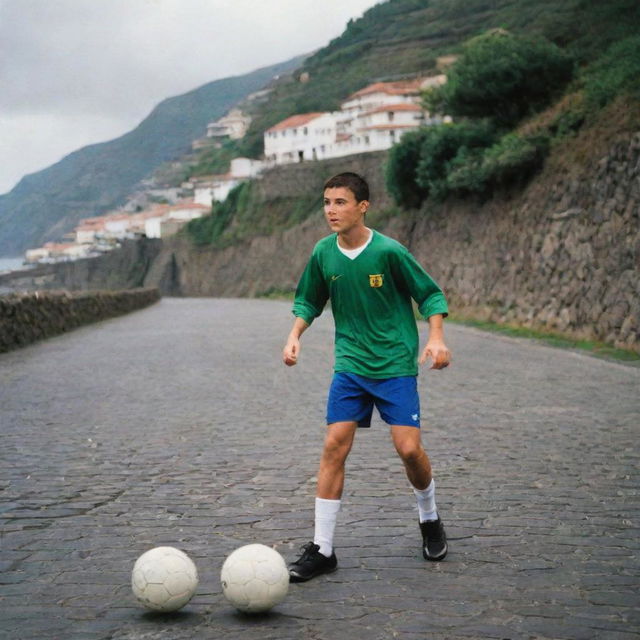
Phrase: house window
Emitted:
{"points": [[392, 135], [305, 131], [366, 140], [391, 115]]}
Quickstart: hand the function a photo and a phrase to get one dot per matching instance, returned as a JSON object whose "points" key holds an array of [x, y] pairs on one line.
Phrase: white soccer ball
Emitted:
{"points": [[164, 579], [254, 578]]}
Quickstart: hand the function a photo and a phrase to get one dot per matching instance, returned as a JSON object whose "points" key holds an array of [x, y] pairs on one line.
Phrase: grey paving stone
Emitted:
{"points": [[179, 425]]}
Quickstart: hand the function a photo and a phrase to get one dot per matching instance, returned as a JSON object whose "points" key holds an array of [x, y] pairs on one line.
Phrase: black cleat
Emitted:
{"points": [[311, 564], [434, 540]]}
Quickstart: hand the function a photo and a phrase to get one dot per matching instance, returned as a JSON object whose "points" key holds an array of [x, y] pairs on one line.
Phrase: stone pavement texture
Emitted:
{"points": [[179, 425]]}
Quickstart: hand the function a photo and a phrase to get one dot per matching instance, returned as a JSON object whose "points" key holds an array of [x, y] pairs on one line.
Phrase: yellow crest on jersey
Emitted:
{"points": [[375, 280]]}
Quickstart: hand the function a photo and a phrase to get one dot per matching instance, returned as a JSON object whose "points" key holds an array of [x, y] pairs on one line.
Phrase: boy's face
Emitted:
{"points": [[342, 211]]}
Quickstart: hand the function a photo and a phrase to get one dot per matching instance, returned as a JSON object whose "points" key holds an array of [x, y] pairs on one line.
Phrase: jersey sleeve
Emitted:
{"points": [[420, 285], [312, 293]]}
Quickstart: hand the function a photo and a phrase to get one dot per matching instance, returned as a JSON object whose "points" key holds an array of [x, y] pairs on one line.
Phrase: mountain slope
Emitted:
{"points": [[405, 37], [97, 178]]}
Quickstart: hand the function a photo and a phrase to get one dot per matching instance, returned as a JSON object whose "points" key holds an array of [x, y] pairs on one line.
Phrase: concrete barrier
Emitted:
{"points": [[27, 317]]}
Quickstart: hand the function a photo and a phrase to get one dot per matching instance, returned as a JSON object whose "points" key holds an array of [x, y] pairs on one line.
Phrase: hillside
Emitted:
{"points": [[92, 180], [392, 39], [405, 37]]}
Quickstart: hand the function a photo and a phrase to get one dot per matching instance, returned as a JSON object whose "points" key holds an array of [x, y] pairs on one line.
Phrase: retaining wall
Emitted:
{"points": [[27, 317]]}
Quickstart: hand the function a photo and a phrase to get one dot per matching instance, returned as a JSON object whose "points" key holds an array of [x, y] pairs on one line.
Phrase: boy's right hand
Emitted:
{"points": [[291, 351]]}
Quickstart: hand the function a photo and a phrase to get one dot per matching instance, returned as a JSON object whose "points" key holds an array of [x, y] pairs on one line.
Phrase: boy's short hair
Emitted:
{"points": [[352, 181]]}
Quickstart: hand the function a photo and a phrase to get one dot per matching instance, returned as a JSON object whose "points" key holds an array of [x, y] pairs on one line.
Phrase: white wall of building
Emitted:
{"points": [[245, 168], [152, 226], [310, 140]]}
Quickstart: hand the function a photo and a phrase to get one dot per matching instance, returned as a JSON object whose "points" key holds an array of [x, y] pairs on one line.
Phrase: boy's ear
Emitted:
{"points": [[364, 205]]}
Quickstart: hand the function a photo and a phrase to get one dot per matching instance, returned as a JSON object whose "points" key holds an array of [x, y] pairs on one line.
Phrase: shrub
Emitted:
{"points": [[400, 170], [504, 77], [510, 160], [440, 147]]}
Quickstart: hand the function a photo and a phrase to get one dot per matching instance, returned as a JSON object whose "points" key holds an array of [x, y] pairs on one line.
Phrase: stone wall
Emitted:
{"points": [[563, 255], [27, 317]]}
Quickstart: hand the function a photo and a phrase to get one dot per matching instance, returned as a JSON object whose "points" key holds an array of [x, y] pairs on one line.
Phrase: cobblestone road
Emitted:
{"points": [[179, 425]]}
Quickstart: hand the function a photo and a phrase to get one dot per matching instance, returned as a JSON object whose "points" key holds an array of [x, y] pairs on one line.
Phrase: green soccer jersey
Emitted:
{"points": [[375, 328]]}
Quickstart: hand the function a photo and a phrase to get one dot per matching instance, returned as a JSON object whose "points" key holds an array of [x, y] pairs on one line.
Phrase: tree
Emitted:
{"points": [[504, 77], [400, 171]]}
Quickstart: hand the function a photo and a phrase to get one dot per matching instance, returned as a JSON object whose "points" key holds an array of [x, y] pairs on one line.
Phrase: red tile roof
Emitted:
{"points": [[295, 121]]}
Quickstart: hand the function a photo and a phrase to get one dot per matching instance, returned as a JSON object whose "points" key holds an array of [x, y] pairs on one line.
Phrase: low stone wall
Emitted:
{"points": [[27, 317]]}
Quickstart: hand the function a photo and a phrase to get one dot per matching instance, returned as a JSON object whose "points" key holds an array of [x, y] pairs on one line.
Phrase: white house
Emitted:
{"points": [[187, 210], [308, 136], [206, 191], [165, 221], [245, 168], [233, 125], [117, 225], [89, 229], [217, 188], [152, 223], [371, 119]]}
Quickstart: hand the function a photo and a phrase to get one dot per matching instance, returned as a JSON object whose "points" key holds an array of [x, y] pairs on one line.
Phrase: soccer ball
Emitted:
{"points": [[254, 578], [164, 579]]}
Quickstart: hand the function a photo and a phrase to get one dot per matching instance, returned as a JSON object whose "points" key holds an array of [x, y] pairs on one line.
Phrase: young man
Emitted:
{"points": [[370, 280]]}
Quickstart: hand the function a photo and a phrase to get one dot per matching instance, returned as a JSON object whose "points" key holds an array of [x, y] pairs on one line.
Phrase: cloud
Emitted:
{"points": [[102, 65]]}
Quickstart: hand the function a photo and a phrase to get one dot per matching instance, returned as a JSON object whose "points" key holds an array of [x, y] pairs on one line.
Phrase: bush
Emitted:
{"points": [[400, 170], [442, 145], [505, 78], [510, 160]]}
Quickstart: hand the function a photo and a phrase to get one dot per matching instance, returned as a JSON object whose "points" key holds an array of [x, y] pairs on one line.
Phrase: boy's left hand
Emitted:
{"points": [[438, 352]]}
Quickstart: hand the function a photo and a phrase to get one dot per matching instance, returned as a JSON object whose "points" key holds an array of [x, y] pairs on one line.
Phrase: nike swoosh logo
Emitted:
{"points": [[335, 277]]}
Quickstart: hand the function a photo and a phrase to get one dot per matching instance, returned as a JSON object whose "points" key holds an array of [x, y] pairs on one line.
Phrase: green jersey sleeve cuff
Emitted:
{"points": [[307, 314], [434, 304]]}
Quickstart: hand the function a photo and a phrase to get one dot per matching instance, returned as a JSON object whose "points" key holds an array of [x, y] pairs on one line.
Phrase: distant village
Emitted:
{"points": [[371, 119]]}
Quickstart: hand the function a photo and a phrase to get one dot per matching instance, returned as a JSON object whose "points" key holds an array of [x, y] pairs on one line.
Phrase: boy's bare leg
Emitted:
{"points": [[416, 462], [318, 556], [408, 444], [337, 445]]}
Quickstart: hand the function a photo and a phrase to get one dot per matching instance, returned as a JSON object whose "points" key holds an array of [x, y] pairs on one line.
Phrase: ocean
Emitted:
{"points": [[11, 264]]}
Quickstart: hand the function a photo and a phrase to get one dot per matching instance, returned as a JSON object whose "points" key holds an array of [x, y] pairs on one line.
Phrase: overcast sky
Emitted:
{"points": [[76, 72]]}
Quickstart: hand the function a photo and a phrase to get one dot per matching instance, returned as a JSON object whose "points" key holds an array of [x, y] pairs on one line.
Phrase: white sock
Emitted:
{"points": [[427, 502], [326, 516]]}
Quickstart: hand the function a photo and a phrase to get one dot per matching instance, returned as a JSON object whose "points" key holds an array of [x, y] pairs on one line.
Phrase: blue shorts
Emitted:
{"points": [[352, 397]]}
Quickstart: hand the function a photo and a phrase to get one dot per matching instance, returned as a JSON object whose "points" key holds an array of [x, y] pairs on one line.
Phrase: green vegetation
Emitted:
{"points": [[244, 215], [504, 77], [402, 163], [210, 229], [214, 161], [615, 73], [516, 57], [554, 339], [500, 80]]}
